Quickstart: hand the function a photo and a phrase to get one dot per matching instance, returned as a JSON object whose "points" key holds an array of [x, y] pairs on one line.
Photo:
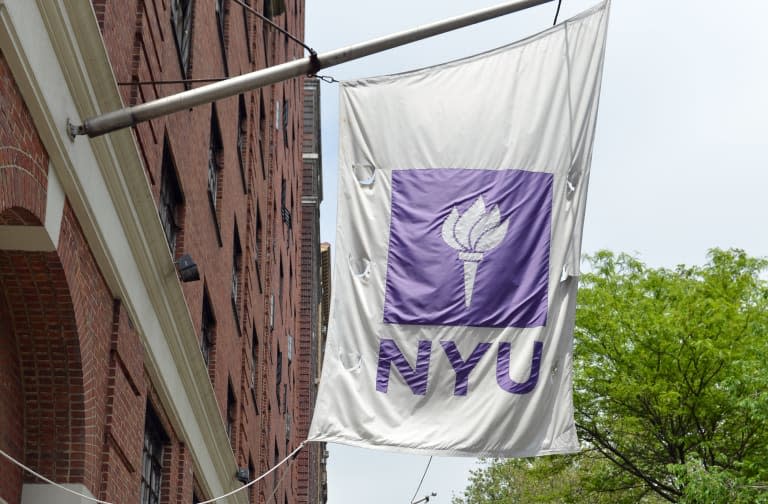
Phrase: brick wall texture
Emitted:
{"points": [[74, 392]]}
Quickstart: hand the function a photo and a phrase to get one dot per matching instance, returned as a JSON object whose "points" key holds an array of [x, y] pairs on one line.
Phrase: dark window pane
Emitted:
{"points": [[170, 204], [152, 459]]}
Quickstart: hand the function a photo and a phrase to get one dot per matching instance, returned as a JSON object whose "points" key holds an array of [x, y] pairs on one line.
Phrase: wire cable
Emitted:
{"points": [[422, 480], [275, 26], [172, 81], [288, 457], [57, 485], [325, 78], [557, 12]]}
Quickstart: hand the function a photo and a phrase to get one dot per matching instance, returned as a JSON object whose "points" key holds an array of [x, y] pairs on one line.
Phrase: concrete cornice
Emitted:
{"points": [[58, 59]]}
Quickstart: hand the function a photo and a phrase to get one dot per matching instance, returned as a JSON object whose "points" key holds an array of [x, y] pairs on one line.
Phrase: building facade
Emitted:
{"points": [[155, 345], [313, 482]]}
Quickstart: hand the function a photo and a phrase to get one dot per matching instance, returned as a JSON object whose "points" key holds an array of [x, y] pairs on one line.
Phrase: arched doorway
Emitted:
{"points": [[42, 413]]}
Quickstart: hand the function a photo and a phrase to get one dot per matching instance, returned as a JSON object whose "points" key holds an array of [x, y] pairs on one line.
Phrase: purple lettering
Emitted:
{"points": [[502, 370], [463, 368], [416, 378]]}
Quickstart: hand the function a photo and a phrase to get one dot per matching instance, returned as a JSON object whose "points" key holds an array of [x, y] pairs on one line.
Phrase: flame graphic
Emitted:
{"points": [[473, 234]]}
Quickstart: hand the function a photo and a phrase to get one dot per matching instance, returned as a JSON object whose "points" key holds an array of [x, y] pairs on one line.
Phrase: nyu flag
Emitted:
{"points": [[461, 203]]}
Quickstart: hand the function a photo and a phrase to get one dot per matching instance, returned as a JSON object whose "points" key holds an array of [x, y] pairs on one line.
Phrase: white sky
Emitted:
{"points": [[680, 159]]}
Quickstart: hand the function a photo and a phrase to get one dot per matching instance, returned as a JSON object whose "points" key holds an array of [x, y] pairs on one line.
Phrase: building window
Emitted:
{"points": [[254, 360], [170, 205], [273, 8], [222, 9], [207, 331], [231, 414], [285, 213], [265, 45], [221, 17], [259, 245], [290, 280], [278, 374], [152, 458], [242, 137], [271, 312], [278, 119], [181, 19], [286, 113], [247, 26], [259, 235], [288, 424], [263, 131], [237, 261], [290, 348], [251, 474], [261, 157], [275, 456], [215, 160]]}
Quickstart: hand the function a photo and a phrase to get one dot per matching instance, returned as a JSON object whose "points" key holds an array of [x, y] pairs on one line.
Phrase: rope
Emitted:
{"points": [[86, 497], [98, 501], [422, 480], [288, 457]]}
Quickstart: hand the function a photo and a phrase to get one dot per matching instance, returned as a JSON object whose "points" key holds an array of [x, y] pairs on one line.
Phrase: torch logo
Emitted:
{"points": [[472, 235], [445, 222]]}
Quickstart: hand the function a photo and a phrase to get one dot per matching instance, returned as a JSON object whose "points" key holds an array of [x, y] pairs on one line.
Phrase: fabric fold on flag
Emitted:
{"points": [[462, 190]]}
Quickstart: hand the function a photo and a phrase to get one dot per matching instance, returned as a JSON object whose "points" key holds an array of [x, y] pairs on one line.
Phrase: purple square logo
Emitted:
{"points": [[469, 248]]}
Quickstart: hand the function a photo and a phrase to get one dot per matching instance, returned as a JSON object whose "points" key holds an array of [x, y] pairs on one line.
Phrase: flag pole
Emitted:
{"points": [[130, 116]]}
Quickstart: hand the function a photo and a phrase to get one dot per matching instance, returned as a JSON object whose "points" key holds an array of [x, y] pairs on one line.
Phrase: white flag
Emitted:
{"points": [[461, 203]]}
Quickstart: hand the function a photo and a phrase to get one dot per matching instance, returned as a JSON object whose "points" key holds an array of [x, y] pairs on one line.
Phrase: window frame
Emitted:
{"points": [[231, 414], [215, 159], [248, 27], [278, 374], [259, 246], [242, 138], [254, 367], [152, 452], [237, 269], [170, 200], [286, 119], [207, 332], [222, 14], [181, 26]]}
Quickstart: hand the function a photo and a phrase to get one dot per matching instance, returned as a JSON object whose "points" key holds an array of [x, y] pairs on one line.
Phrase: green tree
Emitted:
{"points": [[670, 388], [572, 479], [670, 377]]}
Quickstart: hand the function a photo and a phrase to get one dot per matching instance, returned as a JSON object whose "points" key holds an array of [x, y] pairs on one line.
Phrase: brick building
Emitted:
{"points": [[121, 377]]}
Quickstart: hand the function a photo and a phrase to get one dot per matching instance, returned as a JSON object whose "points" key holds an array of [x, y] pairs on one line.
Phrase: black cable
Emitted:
{"points": [[177, 81], [275, 26], [325, 78], [422, 480], [557, 13]]}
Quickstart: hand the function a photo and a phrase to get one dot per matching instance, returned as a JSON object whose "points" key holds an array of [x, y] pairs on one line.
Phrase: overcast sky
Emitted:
{"points": [[680, 159]]}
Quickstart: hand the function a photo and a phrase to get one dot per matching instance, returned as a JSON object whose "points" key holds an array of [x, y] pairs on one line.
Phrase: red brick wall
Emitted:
{"points": [[11, 408], [23, 160], [177, 480], [140, 42], [126, 403], [73, 387], [41, 386], [71, 359]]}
